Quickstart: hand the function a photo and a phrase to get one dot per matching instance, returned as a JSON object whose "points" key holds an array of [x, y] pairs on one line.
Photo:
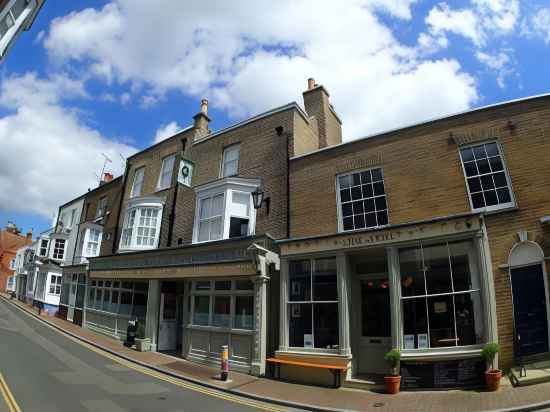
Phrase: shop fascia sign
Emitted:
{"points": [[400, 234]]}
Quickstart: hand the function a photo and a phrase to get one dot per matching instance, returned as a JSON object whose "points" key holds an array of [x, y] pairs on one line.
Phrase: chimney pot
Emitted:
{"points": [[107, 177], [204, 106], [29, 234], [310, 83]]}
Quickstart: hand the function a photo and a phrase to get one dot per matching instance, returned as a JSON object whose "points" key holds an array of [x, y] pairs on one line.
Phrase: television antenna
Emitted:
{"points": [[107, 160]]}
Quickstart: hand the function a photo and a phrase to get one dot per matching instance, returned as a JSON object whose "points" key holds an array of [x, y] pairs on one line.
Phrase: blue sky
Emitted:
{"points": [[112, 77]]}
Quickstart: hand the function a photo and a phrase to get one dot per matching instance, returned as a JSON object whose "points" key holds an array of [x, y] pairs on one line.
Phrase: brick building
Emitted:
{"points": [[433, 239], [10, 240], [194, 252]]}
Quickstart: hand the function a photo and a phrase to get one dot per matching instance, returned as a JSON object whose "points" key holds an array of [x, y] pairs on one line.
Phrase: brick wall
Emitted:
{"points": [[424, 179]]}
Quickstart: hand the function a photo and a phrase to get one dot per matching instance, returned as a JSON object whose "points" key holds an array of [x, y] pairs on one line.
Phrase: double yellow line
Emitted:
{"points": [[146, 371], [8, 396]]}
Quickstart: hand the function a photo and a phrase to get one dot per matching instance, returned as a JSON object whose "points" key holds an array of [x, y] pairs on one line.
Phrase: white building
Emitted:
{"points": [[15, 16]]}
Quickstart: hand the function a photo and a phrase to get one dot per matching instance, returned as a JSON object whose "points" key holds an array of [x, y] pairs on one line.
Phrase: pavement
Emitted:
{"points": [[260, 393]]}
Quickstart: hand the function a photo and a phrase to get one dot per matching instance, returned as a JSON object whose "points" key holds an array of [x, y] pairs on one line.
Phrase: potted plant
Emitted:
{"points": [[143, 344], [492, 375], [393, 382]]}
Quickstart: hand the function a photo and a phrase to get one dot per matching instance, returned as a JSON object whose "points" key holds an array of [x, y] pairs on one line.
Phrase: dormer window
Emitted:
{"points": [[224, 209], [141, 225], [230, 163], [137, 185]]}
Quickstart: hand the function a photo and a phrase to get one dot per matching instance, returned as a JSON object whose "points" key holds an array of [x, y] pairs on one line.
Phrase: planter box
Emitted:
{"points": [[143, 345]]}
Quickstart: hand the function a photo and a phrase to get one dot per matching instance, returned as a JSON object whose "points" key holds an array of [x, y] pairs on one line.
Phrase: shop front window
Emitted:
{"points": [[313, 304], [222, 303], [126, 298], [440, 296]]}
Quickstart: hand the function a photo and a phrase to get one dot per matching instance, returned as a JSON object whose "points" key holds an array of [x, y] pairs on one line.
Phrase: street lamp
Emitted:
{"points": [[258, 198]]}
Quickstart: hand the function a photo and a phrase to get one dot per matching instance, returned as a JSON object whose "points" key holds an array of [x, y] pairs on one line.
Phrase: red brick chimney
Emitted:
{"points": [[325, 120], [201, 120]]}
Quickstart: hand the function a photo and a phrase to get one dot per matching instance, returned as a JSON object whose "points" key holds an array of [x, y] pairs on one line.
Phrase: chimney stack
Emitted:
{"points": [[324, 119], [201, 120], [29, 234]]}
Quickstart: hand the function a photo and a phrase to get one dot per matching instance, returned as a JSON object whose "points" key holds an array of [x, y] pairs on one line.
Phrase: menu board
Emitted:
{"points": [[443, 374]]}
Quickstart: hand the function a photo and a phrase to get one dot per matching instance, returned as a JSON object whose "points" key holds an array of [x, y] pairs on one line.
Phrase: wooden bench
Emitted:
{"points": [[335, 369]]}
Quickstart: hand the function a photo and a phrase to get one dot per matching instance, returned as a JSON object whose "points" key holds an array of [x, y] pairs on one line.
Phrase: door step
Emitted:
{"points": [[536, 372], [365, 382]]}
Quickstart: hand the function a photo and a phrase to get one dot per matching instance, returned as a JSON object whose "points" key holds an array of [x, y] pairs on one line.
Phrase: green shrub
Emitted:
{"points": [[489, 353], [140, 332], [393, 357]]}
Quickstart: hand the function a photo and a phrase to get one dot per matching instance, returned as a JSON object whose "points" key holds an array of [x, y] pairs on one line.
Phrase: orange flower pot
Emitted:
{"points": [[492, 379], [392, 384]]}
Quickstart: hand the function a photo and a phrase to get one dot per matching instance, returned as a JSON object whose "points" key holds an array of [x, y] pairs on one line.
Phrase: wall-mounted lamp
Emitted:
{"points": [[258, 198]]}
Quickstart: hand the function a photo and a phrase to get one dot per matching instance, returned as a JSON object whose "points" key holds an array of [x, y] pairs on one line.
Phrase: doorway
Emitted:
{"points": [[168, 322], [375, 323], [530, 309]]}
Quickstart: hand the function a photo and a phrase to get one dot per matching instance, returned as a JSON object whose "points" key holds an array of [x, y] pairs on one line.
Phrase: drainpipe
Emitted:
{"points": [[115, 233], [172, 216]]}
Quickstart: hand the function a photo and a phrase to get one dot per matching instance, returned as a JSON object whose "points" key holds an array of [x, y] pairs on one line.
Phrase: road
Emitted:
{"points": [[46, 371]]}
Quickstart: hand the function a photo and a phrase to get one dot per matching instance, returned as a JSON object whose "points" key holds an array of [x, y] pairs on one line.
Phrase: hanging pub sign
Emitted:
{"points": [[185, 172]]}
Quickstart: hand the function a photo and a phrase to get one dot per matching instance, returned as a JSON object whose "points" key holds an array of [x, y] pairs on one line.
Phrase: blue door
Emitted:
{"points": [[530, 310]]}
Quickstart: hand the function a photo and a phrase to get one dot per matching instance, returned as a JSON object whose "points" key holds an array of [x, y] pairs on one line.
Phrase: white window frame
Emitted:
{"points": [[226, 186], [96, 285], [7, 37], [229, 149], [13, 264], [87, 240], [163, 172], [232, 293], [56, 248], [72, 219], [40, 247], [133, 239], [101, 207], [508, 205], [139, 172], [339, 201], [55, 283]]}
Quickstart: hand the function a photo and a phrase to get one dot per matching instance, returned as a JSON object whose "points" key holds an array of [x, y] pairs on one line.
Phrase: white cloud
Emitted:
{"points": [[48, 155], [483, 20], [500, 62], [246, 60], [539, 25], [166, 131]]}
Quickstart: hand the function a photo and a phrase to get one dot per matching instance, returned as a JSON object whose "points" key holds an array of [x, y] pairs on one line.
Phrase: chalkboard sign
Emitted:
{"points": [[442, 374]]}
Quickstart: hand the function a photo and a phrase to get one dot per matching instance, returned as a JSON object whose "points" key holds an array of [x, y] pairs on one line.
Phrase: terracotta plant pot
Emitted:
{"points": [[392, 384], [492, 379]]}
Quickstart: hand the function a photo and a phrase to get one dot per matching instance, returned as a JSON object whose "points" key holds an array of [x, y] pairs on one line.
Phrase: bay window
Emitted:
{"points": [[440, 296], [55, 285], [141, 226], [224, 210], [313, 304], [227, 304]]}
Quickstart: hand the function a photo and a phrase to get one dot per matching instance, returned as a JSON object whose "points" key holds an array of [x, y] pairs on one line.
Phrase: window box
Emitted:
{"points": [[224, 210]]}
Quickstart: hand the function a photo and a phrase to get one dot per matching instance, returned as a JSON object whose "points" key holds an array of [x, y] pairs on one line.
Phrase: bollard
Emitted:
{"points": [[225, 362]]}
